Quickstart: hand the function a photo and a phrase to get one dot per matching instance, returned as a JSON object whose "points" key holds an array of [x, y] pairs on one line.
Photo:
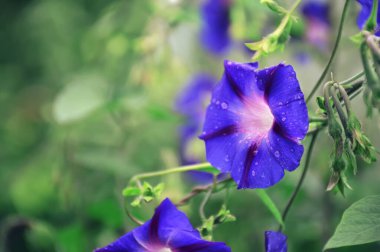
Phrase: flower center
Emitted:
{"points": [[256, 118], [164, 250]]}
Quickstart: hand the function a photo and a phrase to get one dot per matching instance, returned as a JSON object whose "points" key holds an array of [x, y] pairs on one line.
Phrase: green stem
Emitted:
{"points": [[339, 109], [346, 99], [317, 119], [302, 178], [333, 53], [285, 20], [352, 79], [180, 169], [206, 199], [294, 7]]}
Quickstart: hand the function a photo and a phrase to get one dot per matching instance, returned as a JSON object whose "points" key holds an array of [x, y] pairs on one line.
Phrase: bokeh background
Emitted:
{"points": [[87, 99]]}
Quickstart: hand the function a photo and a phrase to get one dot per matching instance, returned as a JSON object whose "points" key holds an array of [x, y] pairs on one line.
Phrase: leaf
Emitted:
{"points": [[210, 169], [79, 98], [131, 191], [268, 202], [360, 224]]}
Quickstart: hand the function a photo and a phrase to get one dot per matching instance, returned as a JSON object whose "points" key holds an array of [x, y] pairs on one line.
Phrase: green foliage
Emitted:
{"points": [[274, 6], [79, 98], [268, 202], [278, 38], [360, 224], [362, 146], [223, 216], [145, 193]]}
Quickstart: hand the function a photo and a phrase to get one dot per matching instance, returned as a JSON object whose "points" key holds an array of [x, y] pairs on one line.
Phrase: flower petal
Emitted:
{"points": [[187, 242], [126, 243], [286, 100], [286, 152], [214, 34], [364, 13], [167, 219], [275, 242], [316, 10], [260, 168], [189, 101]]}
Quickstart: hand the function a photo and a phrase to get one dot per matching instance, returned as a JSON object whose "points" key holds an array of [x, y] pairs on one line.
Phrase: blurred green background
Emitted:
{"points": [[86, 101]]}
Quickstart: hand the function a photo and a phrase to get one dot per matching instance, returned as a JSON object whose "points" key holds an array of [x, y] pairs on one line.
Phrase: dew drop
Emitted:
{"points": [[224, 105], [277, 154], [280, 103], [227, 158], [283, 119], [256, 163], [217, 102], [253, 173]]}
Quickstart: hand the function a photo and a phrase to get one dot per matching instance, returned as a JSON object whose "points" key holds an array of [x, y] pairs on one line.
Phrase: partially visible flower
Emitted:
{"points": [[215, 35], [255, 123], [317, 23], [365, 12], [169, 230], [191, 103], [275, 242]]}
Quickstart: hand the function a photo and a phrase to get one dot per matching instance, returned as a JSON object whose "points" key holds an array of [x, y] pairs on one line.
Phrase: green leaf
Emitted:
{"points": [[82, 96], [210, 169], [207, 227], [360, 224], [357, 38], [268, 202], [274, 6], [131, 191], [224, 215]]}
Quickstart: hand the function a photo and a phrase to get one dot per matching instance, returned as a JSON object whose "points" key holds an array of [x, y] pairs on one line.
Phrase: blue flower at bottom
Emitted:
{"points": [[275, 242], [169, 230], [255, 123], [365, 12]]}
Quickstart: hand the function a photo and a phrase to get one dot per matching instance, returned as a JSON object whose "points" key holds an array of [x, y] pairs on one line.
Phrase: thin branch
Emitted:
{"points": [[333, 53], [302, 178]]}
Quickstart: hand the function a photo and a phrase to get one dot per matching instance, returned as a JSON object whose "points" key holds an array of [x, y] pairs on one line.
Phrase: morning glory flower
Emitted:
{"points": [[191, 104], [317, 23], [169, 230], [255, 123], [215, 36], [275, 242], [365, 12]]}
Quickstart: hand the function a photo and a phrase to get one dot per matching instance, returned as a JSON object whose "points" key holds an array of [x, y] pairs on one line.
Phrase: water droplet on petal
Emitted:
{"points": [[253, 173], [224, 105], [277, 154], [283, 119], [227, 158]]}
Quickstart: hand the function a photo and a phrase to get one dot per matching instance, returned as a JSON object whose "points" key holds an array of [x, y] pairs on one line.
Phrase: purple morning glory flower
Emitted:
{"points": [[191, 103], [215, 15], [365, 12], [275, 242], [169, 230], [255, 123], [317, 22]]}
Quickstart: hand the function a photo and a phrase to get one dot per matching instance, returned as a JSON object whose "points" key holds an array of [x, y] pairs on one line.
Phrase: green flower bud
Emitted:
{"points": [[362, 146]]}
